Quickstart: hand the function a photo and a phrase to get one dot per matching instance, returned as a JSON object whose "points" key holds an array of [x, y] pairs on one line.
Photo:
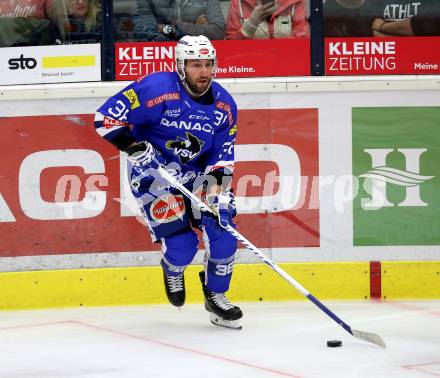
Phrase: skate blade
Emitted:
{"points": [[218, 321]]}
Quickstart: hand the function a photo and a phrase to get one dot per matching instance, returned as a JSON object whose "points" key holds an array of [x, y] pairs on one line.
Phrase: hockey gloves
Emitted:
{"points": [[223, 205], [143, 154]]}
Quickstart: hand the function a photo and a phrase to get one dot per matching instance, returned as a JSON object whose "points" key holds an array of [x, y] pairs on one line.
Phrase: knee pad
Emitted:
{"points": [[179, 250]]}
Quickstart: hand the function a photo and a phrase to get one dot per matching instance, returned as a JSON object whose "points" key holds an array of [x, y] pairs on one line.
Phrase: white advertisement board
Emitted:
{"points": [[50, 64]]}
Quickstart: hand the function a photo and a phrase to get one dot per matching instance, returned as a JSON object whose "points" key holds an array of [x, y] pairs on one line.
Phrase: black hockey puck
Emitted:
{"points": [[334, 343]]}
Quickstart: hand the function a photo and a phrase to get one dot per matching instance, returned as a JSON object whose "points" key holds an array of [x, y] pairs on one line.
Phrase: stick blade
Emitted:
{"points": [[370, 337]]}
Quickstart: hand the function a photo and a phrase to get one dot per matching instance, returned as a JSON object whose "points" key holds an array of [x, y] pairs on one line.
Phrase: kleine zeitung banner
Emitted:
{"points": [[236, 58], [382, 56]]}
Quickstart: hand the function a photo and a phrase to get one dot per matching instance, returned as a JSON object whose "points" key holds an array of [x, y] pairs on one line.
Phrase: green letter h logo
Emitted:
{"points": [[380, 175]]}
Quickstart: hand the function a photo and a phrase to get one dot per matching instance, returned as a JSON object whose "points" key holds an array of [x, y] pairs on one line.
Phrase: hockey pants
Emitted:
{"points": [[170, 219]]}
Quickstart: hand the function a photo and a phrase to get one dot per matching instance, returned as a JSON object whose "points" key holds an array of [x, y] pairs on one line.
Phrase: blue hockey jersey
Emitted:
{"points": [[200, 137]]}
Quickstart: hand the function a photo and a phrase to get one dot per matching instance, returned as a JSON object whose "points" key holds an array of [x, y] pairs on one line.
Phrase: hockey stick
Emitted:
{"points": [[366, 336]]}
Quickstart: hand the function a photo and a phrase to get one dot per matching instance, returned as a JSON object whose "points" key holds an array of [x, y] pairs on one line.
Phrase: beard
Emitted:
{"points": [[197, 87]]}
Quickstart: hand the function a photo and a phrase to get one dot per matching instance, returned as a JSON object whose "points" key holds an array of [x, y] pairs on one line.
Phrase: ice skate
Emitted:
{"points": [[221, 312], [175, 288]]}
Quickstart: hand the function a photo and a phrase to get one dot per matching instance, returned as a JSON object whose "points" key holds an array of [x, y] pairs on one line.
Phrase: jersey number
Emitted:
{"points": [[220, 118], [119, 111], [224, 270]]}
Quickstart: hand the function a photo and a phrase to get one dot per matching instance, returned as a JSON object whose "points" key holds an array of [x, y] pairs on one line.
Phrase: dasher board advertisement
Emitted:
{"points": [[249, 58], [50, 64], [63, 189], [324, 176], [395, 159], [382, 56]]}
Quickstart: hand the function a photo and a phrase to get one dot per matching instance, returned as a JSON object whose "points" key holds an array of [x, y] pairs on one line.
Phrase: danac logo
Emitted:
{"points": [[185, 149], [380, 175], [22, 63]]}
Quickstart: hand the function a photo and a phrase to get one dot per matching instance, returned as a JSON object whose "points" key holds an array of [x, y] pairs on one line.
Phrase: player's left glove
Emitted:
{"points": [[223, 205]]}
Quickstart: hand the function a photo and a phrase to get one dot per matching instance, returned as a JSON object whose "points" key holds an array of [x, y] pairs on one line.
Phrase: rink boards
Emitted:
{"points": [[327, 181]]}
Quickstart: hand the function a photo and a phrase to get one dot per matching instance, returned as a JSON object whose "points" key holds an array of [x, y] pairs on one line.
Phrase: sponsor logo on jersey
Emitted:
{"points": [[190, 126], [199, 117], [185, 149], [165, 97], [226, 108], [167, 208], [233, 130], [173, 113], [133, 98], [110, 122]]}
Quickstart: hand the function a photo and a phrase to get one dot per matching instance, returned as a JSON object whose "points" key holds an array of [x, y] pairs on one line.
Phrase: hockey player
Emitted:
{"points": [[185, 122]]}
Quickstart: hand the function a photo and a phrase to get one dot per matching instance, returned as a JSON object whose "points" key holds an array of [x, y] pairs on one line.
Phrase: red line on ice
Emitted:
{"points": [[35, 325], [418, 368], [414, 308], [186, 349]]}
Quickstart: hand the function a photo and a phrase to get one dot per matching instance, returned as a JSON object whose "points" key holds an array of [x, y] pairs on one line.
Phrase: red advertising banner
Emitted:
{"points": [[236, 58], [382, 56], [59, 160]]}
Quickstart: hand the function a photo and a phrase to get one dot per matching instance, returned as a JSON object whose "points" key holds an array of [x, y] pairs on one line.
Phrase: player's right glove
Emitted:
{"points": [[145, 158], [143, 154], [223, 205]]}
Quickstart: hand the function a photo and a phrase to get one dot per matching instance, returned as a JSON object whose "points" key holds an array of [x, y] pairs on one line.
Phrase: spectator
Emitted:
{"points": [[262, 19], [393, 10], [344, 18], [166, 20], [404, 16], [424, 23], [26, 23], [82, 26]]}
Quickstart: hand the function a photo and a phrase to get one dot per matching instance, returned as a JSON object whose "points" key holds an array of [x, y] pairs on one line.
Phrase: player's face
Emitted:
{"points": [[198, 73]]}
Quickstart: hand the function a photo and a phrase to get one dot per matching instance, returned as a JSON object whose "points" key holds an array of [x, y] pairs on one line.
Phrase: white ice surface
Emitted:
{"points": [[277, 340]]}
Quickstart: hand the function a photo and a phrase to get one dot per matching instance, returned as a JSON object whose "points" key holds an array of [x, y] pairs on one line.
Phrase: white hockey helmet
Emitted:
{"points": [[193, 47]]}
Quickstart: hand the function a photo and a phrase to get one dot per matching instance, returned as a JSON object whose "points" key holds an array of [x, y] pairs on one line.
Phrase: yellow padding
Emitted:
{"points": [[144, 285], [332, 280], [84, 287], [410, 279]]}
